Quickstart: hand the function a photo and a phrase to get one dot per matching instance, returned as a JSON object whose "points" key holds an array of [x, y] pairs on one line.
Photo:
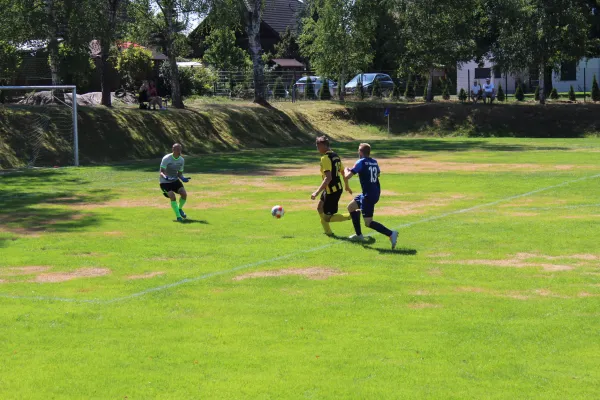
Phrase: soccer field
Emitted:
{"points": [[493, 291]]}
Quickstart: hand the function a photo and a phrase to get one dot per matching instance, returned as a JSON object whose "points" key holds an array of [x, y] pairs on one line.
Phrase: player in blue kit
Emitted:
{"points": [[368, 172]]}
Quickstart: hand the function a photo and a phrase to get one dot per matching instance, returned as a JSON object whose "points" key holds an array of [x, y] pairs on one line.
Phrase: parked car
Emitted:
{"points": [[385, 81], [317, 82]]}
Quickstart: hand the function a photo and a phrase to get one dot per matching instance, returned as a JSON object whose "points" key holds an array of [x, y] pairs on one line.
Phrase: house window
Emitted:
{"points": [[483, 73], [497, 72], [568, 71]]}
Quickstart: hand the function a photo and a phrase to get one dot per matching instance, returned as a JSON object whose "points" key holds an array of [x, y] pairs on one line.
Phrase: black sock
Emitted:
{"points": [[356, 222], [380, 228]]}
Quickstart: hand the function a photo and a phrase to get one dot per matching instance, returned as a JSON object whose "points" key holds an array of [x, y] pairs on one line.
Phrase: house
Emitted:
{"points": [[278, 16], [578, 74]]}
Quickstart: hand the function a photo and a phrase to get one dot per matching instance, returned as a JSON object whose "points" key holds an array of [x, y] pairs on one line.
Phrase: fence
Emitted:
{"points": [[580, 79], [293, 85]]}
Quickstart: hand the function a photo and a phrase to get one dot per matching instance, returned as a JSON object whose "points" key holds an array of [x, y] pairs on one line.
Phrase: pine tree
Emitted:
{"points": [[572, 96], [500, 96], [554, 94], [462, 95], [537, 93], [409, 92], [445, 92], [309, 90], [325, 93], [519, 95], [360, 93], [396, 93], [376, 92], [278, 89], [595, 90]]}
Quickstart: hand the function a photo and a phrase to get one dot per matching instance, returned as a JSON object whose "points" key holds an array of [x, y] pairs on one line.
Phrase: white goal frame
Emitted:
{"points": [[73, 90]]}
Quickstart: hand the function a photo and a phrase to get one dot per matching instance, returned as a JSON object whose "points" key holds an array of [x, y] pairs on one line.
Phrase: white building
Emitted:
{"points": [[579, 74]]}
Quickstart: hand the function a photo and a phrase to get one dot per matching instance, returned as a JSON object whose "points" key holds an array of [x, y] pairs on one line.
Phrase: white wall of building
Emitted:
{"points": [[586, 69]]}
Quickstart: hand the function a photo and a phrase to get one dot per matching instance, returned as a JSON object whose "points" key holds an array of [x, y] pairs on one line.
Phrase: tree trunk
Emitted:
{"points": [[104, 74], [54, 60], [253, 19], [175, 88], [341, 86], [430, 86], [548, 81], [541, 84]]}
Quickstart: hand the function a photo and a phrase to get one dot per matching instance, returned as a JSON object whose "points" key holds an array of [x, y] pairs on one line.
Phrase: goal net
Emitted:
{"points": [[38, 126]]}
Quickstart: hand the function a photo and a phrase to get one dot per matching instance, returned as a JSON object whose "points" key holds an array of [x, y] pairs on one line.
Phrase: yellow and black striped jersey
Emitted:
{"points": [[330, 161]]}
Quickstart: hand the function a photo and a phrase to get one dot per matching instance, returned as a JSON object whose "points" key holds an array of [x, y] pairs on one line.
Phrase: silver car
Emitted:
{"points": [[317, 81]]}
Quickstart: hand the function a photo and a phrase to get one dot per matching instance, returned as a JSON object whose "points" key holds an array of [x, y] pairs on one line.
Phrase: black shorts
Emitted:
{"points": [[331, 201], [171, 187]]}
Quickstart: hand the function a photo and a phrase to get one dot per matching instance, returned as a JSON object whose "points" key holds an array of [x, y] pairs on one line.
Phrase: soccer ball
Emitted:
{"points": [[277, 212]]}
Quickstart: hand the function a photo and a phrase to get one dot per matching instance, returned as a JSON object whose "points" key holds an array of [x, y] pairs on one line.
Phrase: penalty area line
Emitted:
{"points": [[294, 254]]}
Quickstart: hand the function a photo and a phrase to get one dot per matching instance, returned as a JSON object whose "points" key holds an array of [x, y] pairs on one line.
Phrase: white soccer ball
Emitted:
{"points": [[277, 212]]}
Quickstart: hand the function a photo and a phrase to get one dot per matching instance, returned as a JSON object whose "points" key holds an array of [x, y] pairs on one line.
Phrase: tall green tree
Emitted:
{"points": [[437, 34], [168, 19], [541, 33], [10, 60], [337, 37], [222, 52]]}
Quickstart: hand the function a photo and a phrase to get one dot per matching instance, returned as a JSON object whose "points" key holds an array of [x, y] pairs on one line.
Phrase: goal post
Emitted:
{"points": [[59, 96]]}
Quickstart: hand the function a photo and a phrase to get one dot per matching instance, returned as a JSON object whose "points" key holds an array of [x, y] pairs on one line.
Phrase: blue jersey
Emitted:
{"points": [[368, 171]]}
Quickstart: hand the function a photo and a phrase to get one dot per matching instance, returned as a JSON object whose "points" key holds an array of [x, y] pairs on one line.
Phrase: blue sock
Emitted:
{"points": [[380, 228], [356, 222]]}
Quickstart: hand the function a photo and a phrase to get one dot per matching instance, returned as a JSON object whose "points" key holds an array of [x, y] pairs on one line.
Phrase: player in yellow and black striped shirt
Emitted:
{"points": [[331, 189]]}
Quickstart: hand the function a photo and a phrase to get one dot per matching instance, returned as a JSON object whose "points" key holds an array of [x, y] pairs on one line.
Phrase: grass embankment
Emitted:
{"points": [[125, 134]]}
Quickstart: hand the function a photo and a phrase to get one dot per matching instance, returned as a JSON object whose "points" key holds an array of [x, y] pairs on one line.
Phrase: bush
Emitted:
{"points": [[554, 94], [409, 92], [519, 95], [425, 93], [462, 95], [309, 89], [376, 92], [325, 93], [572, 96], [595, 90], [500, 96], [134, 65], [192, 81], [537, 93], [360, 93], [278, 89]]}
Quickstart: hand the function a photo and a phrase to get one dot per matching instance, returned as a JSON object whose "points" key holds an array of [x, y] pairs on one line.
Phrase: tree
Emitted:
{"points": [[10, 60], [325, 93], [278, 89], [288, 47], [462, 95], [168, 19], [376, 92], [409, 92], [536, 94], [134, 65], [572, 96], [519, 95], [222, 52], [595, 90], [554, 94], [309, 89], [549, 33], [500, 96], [437, 34], [396, 93], [425, 94], [360, 91], [337, 37], [445, 91]]}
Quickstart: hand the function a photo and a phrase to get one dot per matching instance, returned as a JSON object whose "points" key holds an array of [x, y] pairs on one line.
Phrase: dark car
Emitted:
{"points": [[368, 80]]}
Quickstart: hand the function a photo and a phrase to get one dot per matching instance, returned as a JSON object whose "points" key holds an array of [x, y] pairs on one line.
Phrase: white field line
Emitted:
{"points": [[291, 255]]}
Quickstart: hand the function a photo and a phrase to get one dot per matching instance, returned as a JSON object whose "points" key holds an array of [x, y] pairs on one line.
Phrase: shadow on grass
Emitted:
{"points": [[42, 200], [265, 161], [194, 221], [399, 252]]}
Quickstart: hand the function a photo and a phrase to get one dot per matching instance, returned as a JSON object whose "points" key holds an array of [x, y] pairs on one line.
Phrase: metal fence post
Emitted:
{"points": [[75, 128], [584, 86], [468, 83]]}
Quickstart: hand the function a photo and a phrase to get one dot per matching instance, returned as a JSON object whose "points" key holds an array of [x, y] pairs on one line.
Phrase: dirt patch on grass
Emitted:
{"points": [[440, 255], [54, 277], [472, 290], [435, 272], [113, 233], [419, 306], [145, 276], [315, 273], [421, 293], [523, 214], [402, 208], [582, 257], [520, 260], [20, 271]]}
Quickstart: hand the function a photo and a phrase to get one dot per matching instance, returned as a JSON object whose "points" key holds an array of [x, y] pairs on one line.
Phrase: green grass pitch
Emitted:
{"points": [[493, 292]]}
